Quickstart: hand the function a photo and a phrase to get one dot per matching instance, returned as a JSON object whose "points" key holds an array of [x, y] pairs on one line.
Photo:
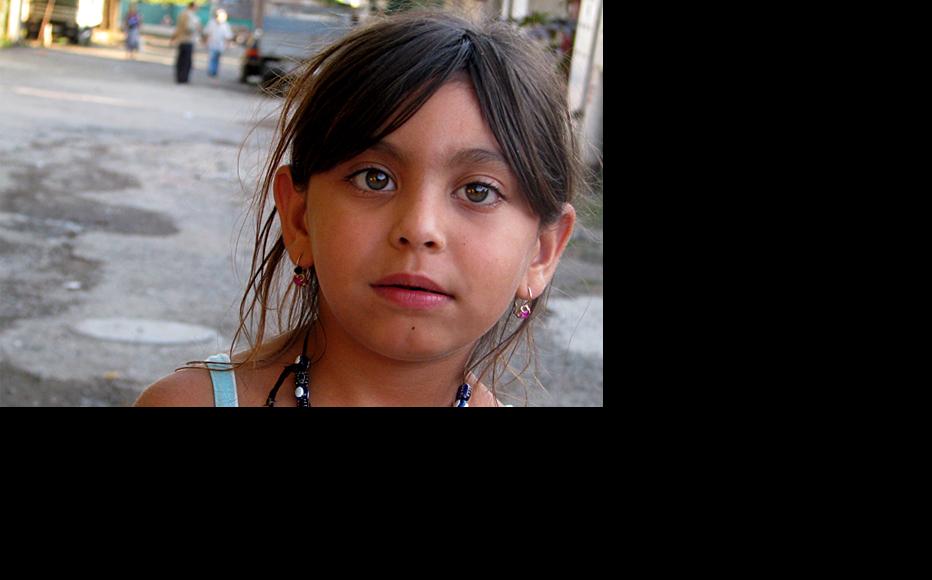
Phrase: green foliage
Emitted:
{"points": [[402, 5], [535, 18]]}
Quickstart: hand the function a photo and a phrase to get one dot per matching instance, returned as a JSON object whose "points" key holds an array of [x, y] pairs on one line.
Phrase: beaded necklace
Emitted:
{"points": [[302, 380]]}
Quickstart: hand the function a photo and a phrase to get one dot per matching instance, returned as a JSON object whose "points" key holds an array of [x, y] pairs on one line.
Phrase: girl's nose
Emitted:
{"points": [[418, 223]]}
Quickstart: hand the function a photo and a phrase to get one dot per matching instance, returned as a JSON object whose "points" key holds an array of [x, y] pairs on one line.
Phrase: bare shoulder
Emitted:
{"points": [[183, 388], [483, 397]]}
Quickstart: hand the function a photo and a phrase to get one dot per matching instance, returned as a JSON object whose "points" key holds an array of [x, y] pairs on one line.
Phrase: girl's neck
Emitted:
{"points": [[348, 374], [345, 374]]}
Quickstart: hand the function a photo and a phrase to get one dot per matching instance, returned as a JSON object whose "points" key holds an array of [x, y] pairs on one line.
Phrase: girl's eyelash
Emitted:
{"points": [[494, 189], [349, 178], [489, 185], [364, 169]]}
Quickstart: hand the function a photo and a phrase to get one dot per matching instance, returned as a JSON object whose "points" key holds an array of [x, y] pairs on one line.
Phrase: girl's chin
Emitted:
{"points": [[413, 349], [414, 354]]}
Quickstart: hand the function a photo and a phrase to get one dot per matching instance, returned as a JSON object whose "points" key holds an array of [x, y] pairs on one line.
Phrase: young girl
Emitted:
{"points": [[418, 221]]}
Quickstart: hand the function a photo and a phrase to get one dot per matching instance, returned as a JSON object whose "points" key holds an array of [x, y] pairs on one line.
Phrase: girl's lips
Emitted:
{"points": [[412, 290], [413, 281], [412, 298]]}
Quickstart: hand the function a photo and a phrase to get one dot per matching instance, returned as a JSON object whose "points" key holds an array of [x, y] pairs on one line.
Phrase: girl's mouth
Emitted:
{"points": [[417, 299], [412, 283], [412, 291]]}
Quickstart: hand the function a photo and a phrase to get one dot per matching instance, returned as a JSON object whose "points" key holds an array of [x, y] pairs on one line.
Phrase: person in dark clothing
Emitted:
{"points": [[185, 34]]}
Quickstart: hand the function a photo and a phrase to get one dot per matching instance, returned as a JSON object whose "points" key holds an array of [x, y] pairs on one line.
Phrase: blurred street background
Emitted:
{"points": [[124, 234]]}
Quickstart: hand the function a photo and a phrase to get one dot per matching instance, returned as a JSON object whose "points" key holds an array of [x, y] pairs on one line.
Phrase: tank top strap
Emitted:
{"points": [[223, 379]]}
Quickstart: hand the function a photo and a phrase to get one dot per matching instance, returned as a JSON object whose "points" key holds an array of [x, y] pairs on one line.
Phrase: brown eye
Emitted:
{"points": [[377, 179], [477, 192], [480, 194], [372, 179]]}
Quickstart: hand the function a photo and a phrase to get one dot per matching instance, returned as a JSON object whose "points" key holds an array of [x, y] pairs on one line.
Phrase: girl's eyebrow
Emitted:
{"points": [[473, 156], [477, 156]]}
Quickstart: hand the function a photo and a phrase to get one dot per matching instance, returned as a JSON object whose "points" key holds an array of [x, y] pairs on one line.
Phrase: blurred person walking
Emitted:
{"points": [[185, 34], [217, 36]]}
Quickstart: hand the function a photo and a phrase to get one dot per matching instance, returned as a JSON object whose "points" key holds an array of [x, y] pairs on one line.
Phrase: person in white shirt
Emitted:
{"points": [[217, 36]]}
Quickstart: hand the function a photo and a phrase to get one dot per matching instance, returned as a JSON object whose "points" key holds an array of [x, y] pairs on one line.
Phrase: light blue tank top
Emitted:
{"points": [[223, 379]]}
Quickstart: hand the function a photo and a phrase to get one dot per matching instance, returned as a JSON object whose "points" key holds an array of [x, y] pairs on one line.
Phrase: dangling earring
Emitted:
{"points": [[524, 310], [300, 276]]}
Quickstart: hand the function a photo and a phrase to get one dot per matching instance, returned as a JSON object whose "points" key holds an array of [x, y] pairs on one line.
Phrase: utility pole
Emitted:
{"points": [[11, 22], [585, 82], [258, 13], [49, 6], [111, 16]]}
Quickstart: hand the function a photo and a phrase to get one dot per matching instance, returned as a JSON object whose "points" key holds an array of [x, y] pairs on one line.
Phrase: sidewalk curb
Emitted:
{"points": [[157, 30]]}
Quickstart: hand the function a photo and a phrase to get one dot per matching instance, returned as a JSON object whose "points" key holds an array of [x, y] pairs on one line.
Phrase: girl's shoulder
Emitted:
{"points": [[188, 387], [483, 397], [193, 386]]}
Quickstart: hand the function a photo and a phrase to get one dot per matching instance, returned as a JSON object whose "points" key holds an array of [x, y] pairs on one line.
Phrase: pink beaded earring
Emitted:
{"points": [[300, 276], [524, 310]]}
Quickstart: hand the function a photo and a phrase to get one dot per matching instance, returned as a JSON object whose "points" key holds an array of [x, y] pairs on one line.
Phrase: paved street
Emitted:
{"points": [[122, 194]]}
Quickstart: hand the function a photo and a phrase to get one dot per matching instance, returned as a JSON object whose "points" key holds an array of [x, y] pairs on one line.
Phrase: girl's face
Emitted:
{"points": [[422, 242]]}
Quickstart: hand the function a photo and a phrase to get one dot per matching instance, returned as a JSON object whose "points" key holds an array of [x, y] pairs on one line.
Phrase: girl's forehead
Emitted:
{"points": [[447, 157], [450, 122]]}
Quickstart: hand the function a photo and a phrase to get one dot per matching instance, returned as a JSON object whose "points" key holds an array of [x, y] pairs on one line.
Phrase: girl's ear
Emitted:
{"points": [[550, 245], [292, 212]]}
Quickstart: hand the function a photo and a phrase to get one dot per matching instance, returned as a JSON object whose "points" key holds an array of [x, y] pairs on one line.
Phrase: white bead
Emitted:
{"points": [[299, 392]]}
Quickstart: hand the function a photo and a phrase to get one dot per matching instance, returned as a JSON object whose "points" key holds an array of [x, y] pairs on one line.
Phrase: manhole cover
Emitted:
{"points": [[144, 331]]}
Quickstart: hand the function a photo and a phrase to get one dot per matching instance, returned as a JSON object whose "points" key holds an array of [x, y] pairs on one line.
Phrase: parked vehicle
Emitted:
{"points": [[73, 19], [290, 33]]}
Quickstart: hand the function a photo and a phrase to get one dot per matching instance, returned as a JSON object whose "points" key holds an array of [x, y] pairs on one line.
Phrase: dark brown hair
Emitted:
{"points": [[360, 89]]}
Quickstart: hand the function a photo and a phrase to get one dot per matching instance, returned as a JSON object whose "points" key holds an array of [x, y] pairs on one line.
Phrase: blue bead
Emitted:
{"points": [[464, 392]]}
